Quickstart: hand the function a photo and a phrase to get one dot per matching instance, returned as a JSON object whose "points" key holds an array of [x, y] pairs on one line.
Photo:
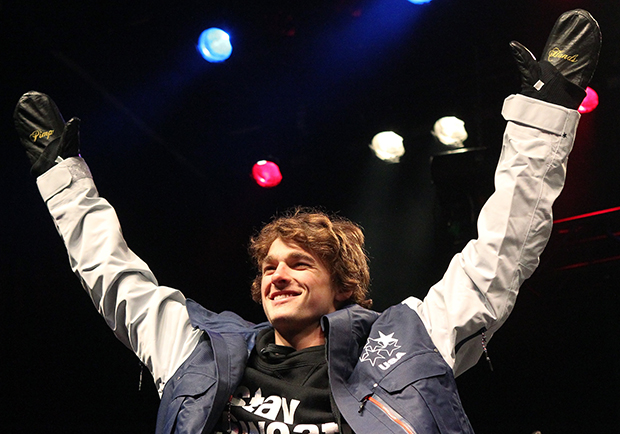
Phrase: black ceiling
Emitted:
{"points": [[171, 140]]}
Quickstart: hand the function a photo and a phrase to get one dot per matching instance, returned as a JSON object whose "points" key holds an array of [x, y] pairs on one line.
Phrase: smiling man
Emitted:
{"points": [[296, 292], [305, 273], [324, 362]]}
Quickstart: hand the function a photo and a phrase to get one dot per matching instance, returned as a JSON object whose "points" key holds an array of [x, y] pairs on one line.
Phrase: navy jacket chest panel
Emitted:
{"points": [[397, 352], [401, 370]]}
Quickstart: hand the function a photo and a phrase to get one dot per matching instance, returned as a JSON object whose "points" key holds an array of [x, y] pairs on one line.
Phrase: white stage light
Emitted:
{"points": [[450, 131], [388, 146]]}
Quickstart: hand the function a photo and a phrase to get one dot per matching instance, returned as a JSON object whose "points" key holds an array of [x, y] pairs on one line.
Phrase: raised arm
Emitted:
{"points": [[479, 289], [151, 320]]}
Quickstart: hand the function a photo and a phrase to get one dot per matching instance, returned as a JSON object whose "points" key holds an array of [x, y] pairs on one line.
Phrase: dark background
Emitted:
{"points": [[171, 140]]}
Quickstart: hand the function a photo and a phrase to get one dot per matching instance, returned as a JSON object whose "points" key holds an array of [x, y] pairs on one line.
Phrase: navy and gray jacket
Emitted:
{"points": [[197, 358], [406, 388]]}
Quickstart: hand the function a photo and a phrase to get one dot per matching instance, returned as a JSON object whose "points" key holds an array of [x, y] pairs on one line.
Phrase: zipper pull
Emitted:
{"points": [[140, 378], [228, 415], [486, 353], [363, 404], [366, 398]]}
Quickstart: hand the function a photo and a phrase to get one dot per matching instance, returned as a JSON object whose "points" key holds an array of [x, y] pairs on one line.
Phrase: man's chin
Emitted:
{"points": [[283, 320]]}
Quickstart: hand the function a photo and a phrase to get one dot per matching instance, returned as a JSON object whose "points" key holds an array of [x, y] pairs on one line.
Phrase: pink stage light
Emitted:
{"points": [[266, 174], [590, 102]]}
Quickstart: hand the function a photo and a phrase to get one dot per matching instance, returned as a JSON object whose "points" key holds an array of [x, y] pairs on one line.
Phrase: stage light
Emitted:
{"points": [[450, 131], [419, 2], [590, 102], [266, 173], [214, 45], [388, 146]]}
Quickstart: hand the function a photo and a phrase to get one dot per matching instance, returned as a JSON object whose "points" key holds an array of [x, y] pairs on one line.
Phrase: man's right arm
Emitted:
{"points": [[151, 320]]}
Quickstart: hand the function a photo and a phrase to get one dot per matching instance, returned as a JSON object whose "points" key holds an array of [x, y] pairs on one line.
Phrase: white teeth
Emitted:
{"points": [[281, 296]]}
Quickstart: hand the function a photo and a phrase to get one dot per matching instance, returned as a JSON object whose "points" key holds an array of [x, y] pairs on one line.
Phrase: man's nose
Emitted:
{"points": [[281, 276]]}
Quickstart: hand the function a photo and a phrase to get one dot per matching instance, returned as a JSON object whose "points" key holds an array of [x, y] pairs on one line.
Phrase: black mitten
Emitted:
{"points": [[569, 60], [43, 132], [542, 80]]}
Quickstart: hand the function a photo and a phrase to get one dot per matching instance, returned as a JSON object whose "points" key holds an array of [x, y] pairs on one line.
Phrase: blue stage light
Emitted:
{"points": [[419, 2], [214, 45]]}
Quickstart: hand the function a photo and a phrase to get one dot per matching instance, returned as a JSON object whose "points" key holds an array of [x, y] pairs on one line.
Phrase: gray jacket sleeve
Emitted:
{"points": [[479, 289], [151, 320]]}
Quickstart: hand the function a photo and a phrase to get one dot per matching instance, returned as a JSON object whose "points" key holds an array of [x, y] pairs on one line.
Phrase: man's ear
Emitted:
{"points": [[343, 294]]}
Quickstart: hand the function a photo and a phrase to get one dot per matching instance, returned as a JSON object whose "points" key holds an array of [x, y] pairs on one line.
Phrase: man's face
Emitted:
{"points": [[296, 291]]}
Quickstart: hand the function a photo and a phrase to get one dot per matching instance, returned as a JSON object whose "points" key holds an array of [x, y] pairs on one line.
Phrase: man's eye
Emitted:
{"points": [[268, 269]]}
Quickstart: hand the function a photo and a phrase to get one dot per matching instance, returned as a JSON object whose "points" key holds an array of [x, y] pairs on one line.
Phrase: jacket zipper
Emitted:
{"points": [[482, 334], [389, 412]]}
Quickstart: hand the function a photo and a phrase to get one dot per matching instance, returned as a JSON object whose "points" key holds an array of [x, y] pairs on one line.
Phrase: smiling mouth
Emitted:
{"points": [[283, 296]]}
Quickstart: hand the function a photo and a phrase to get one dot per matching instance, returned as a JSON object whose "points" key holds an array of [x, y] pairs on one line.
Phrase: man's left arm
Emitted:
{"points": [[479, 289]]}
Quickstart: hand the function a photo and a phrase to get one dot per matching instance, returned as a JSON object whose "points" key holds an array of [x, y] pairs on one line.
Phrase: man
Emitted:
{"points": [[324, 363]]}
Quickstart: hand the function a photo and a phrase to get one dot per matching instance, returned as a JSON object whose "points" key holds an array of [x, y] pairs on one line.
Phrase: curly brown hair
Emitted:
{"points": [[337, 241]]}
